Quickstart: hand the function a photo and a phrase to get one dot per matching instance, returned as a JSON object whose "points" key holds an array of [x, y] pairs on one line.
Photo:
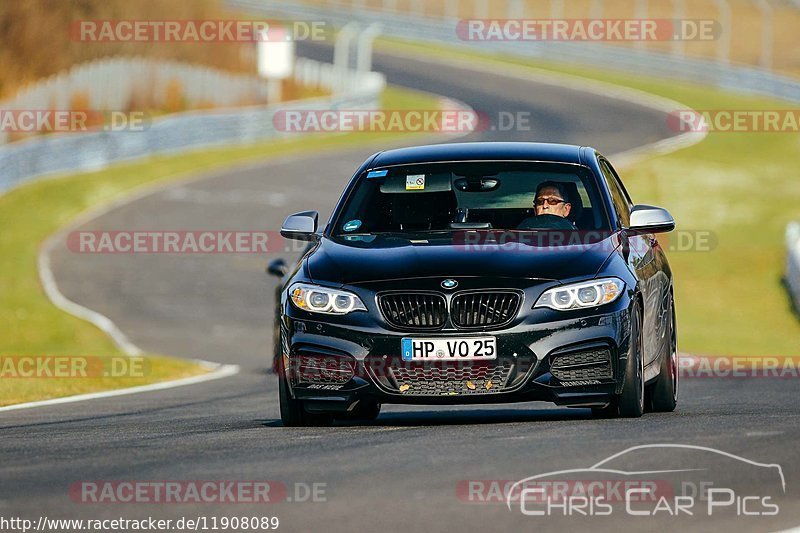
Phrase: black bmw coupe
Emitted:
{"points": [[478, 273]]}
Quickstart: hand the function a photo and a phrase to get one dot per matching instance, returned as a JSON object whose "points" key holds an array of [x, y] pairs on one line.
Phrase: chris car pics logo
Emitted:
{"points": [[655, 480]]}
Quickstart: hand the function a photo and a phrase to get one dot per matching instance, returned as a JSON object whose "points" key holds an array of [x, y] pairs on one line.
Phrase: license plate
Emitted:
{"points": [[450, 349]]}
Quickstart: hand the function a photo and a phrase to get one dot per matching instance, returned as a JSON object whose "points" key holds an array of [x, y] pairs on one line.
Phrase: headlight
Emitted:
{"points": [[318, 299], [582, 295]]}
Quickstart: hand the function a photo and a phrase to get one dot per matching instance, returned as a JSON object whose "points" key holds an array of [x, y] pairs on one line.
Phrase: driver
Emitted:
{"points": [[551, 199]]}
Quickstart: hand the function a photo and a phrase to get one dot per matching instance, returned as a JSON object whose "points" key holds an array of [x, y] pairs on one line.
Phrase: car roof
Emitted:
{"points": [[479, 151]]}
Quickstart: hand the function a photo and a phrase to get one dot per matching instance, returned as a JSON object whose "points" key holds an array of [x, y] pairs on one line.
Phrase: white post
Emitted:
{"points": [[724, 46], [641, 14], [678, 13], [596, 9], [341, 51], [364, 47], [275, 60], [516, 9], [481, 9], [557, 9], [767, 33], [450, 9]]}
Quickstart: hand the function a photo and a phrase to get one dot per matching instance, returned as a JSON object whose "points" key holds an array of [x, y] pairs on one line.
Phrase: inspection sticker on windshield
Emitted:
{"points": [[449, 349], [415, 182]]}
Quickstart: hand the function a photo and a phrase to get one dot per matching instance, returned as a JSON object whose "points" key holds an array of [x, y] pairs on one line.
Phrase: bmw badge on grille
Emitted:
{"points": [[449, 284]]}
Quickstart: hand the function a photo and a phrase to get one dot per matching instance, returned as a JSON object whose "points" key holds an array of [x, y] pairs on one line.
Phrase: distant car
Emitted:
{"points": [[435, 283]]}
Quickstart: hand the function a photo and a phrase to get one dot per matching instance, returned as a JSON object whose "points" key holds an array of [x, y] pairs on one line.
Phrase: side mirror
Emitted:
{"points": [[277, 268], [300, 226], [650, 219]]}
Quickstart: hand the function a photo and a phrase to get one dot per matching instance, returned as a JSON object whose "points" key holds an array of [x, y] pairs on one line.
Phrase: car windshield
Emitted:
{"points": [[473, 196]]}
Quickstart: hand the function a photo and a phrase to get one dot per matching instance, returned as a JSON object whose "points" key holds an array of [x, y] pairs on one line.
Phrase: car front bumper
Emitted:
{"points": [[574, 359]]}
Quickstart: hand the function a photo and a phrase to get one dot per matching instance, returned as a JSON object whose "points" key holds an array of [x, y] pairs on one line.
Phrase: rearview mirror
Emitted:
{"points": [[476, 184], [300, 226], [650, 219]]}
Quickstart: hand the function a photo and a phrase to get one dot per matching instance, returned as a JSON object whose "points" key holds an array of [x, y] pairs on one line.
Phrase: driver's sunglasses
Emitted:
{"points": [[550, 201]]}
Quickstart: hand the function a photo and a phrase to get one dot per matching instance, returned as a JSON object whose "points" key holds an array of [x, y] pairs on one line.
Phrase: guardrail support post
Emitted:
{"points": [[678, 13], [516, 9], [724, 46], [341, 52], [557, 9], [596, 9], [364, 47], [641, 14], [767, 33], [450, 9], [481, 9]]}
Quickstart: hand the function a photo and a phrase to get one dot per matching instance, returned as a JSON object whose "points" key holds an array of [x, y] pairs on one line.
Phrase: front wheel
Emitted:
{"points": [[665, 390], [631, 401], [293, 414]]}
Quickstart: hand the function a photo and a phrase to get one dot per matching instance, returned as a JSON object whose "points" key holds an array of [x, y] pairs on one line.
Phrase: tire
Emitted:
{"points": [[291, 410], [631, 402], [293, 413], [665, 390]]}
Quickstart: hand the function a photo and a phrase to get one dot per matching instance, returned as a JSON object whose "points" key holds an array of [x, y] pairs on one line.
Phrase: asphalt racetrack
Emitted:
{"points": [[408, 470]]}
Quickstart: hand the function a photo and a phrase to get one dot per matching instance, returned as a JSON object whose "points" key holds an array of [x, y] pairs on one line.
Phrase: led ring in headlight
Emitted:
{"points": [[582, 295], [317, 299]]}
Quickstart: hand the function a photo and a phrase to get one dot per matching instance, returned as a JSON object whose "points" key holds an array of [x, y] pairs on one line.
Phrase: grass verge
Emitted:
{"points": [[741, 187], [33, 326]]}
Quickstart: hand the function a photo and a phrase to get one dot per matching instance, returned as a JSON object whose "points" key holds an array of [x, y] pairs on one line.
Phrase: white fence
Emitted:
{"points": [[94, 150], [123, 83], [792, 277]]}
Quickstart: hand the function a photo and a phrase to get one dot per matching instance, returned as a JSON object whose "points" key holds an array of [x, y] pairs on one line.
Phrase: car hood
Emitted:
{"points": [[385, 259]]}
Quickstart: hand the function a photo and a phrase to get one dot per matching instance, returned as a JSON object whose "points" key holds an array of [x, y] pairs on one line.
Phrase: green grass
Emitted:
{"points": [[31, 325], [743, 187]]}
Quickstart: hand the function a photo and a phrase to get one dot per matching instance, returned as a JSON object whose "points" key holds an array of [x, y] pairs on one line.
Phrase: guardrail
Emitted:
{"points": [[93, 150], [417, 27], [792, 277]]}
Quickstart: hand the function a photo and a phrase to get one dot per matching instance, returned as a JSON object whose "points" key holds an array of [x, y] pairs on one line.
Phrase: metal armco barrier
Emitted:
{"points": [[416, 27], [74, 152]]}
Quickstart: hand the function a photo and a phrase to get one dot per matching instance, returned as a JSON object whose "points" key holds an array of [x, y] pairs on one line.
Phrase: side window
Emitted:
{"points": [[622, 203]]}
